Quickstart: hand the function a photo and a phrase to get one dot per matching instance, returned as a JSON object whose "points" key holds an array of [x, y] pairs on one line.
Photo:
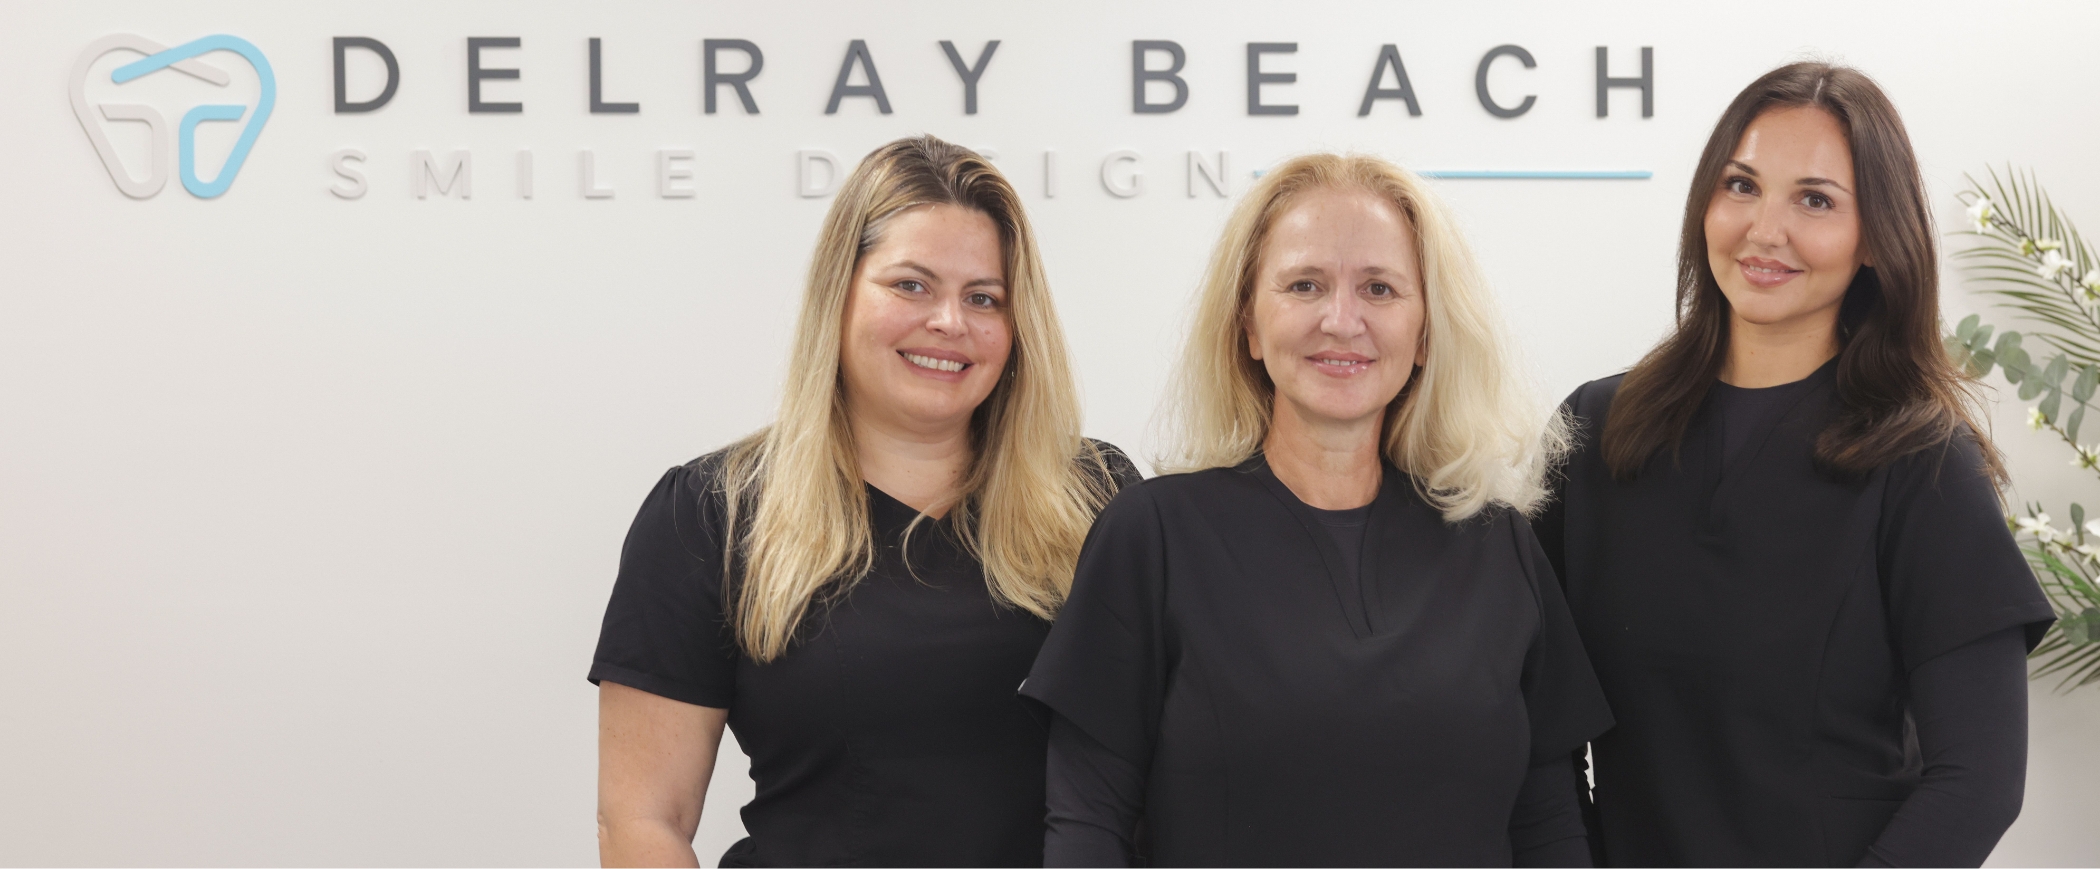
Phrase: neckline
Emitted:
{"points": [[1829, 366], [880, 502]]}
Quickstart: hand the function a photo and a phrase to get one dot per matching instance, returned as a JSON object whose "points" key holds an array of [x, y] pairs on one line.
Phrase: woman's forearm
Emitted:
{"points": [[643, 842], [1970, 706]]}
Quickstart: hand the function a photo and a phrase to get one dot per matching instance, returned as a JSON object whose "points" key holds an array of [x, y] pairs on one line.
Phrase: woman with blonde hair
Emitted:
{"points": [[1330, 639], [857, 589]]}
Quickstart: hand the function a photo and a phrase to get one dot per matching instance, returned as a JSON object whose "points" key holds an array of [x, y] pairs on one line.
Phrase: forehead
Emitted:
{"points": [[943, 230], [1340, 223], [1805, 137]]}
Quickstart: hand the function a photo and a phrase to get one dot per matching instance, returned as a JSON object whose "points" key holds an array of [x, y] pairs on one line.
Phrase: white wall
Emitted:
{"points": [[309, 507]]}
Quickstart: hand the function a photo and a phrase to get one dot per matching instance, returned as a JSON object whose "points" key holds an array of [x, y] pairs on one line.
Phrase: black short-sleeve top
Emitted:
{"points": [[1753, 619], [1286, 714], [889, 734]]}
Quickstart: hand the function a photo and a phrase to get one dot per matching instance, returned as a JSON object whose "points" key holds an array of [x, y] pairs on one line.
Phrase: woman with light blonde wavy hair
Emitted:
{"points": [[857, 589], [1329, 637]]}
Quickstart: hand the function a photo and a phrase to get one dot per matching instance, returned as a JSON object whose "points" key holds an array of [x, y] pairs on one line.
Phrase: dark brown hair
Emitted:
{"points": [[1898, 392]]}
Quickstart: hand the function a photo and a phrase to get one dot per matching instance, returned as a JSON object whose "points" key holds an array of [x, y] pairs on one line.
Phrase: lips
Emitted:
{"points": [[934, 361], [1765, 273], [1340, 364]]}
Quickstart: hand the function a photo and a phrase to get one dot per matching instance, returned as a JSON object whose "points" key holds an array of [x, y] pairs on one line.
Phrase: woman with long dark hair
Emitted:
{"points": [[1780, 532]]}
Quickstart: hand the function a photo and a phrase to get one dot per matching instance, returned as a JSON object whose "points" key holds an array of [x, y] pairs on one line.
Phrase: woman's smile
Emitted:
{"points": [[938, 364], [1335, 364], [1766, 273]]}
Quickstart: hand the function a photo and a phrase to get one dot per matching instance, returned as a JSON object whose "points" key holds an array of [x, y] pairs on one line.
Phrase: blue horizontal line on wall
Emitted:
{"points": [[1531, 174]]}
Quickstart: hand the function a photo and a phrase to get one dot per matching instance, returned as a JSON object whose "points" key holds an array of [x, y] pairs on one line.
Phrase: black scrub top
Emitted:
{"points": [[1287, 715], [889, 734], [1753, 621]]}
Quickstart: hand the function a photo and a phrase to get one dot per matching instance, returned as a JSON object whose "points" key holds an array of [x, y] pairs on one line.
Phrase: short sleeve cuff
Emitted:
{"points": [[715, 697]]}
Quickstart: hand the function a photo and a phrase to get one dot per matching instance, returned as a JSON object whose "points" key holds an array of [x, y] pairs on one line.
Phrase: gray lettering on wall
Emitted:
{"points": [[969, 74], [840, 90], [475, 73], [1256, 78], [1645, 81], [1389, 58], [1140, 76], [712, 77], [1480, 81], [343, 105], [598, 104]]}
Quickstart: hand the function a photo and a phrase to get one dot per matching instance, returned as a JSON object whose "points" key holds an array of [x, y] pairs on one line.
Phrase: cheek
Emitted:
{"points": [[1725, 228], [1832, 248], [994, 337], [1399, 329], [1274, 325], [874, 321]]}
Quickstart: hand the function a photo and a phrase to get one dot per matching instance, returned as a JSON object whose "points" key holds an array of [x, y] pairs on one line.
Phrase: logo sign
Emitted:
{"points": [[183, 59]]}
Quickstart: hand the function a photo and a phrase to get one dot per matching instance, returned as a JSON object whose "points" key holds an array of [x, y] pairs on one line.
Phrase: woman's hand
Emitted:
{"points": [[655, 757]]}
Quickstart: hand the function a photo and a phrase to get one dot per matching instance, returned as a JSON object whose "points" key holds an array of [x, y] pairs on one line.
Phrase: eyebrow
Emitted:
{"points": [[1805, 182], [930, 275], [1315, 270]]}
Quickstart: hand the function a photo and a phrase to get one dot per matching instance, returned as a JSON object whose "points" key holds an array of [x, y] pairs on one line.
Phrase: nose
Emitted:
{"points": [[1343, 316], [947, 318], [1767, 224]]}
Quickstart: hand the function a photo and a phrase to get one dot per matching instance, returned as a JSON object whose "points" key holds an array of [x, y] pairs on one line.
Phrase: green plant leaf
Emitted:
{"points": [[2071, 431], [2054, 374], [1967, 327], [2088, 378]]}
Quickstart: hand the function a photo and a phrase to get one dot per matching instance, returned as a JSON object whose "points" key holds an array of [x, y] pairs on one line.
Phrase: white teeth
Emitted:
{"points": [[935, 364], [1340, 362]]}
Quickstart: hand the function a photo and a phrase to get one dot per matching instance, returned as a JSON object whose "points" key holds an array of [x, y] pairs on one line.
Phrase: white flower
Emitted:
{"points": [[2087, 458], [2035, 419], [2038, 526], [2086, 549], [2092, 526], [2048, 244], [2053, 264], [2091, 283], [1981, 213]]}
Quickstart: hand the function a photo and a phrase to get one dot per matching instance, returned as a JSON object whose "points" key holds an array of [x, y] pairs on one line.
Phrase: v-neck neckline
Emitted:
{"points": [[1351, 593], [881, 502]]}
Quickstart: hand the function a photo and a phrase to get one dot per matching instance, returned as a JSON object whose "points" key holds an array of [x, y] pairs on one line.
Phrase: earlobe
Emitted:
{"points": [[1253, 346]]}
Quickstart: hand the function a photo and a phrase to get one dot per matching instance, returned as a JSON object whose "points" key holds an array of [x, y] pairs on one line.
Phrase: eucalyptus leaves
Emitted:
{"points": [[2034, 260]]}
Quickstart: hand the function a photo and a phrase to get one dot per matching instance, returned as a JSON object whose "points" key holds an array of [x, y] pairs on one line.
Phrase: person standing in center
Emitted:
{"points": [[1332, 639], [857, 588]]}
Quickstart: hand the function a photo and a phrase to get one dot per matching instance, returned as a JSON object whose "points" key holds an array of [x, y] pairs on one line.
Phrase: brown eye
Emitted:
{"points": [[1741, 186], [1304, 287], [983, 300], [911, 286], [1380, 291], [1818, 201]]}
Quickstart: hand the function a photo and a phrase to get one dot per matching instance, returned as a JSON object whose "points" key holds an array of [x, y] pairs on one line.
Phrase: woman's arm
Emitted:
{"points": [[655, 757], [1970, 706], [1095, 798], [1546, 827]]}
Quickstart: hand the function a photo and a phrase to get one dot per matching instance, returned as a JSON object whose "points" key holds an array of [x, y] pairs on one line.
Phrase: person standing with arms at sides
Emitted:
{"points": [[1331, 640], [1780, 532], [858, 588]]}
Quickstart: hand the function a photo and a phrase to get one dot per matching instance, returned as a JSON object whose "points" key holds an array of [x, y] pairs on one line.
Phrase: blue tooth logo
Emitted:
{"points": [[181, 59]]}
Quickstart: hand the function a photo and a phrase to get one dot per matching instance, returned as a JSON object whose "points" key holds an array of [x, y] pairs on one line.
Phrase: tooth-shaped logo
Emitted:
{"points": [[182, 59]]}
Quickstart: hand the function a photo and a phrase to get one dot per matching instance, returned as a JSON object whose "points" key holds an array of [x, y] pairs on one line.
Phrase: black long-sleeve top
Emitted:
{"points": [[1096, 799], [1765, 630], [1221, 667]]}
